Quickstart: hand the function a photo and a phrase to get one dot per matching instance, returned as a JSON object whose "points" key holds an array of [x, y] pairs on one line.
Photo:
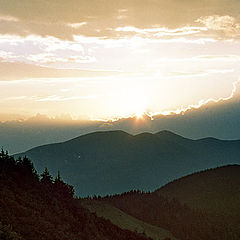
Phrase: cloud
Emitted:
{"points": [[187, 74], [8, 19], [76, 25], [225, 58], [39, 50], [6, 55], [220, 23], [201, 103], [55, 98], [224, 26], [97, 18], [161, 32], [20, 71], [220, 71], [48, 58], [202, 58]]}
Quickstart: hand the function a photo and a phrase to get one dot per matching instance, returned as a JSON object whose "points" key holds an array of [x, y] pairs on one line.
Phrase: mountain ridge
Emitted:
{"points": [[200, 206], [114, 161], [221, 183]]}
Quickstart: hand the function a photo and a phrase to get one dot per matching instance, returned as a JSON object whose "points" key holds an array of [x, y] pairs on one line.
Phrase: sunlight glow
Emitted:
{"points": [[131, 102], [198, 105]]}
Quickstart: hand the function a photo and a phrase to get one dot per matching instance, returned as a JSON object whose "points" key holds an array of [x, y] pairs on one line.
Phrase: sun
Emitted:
{"points": [[130, 99], [139, 114], [134, 104]]}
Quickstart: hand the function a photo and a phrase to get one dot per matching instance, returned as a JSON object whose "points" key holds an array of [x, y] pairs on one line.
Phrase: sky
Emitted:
{"points": [[105, 59]]}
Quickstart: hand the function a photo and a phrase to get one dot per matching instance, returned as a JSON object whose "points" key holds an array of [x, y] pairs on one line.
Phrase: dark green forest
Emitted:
{"points": [[40, 208], [202, 205], [182, 221], [36, 206]]}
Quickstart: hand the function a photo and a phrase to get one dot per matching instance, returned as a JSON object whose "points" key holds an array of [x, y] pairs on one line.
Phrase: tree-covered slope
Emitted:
{"points": [[203, 205], [42, 209], [182, 221], [215, 190]]}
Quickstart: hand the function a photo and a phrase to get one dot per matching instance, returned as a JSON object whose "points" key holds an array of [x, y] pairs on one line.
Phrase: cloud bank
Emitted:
{"points": [[63, 19]]}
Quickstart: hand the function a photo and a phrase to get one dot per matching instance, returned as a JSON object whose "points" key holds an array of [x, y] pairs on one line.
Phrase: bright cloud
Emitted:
{"points": [[8, 18], [77, 25], [162, 32], [220, 23], [94, 19], [112, 60]]}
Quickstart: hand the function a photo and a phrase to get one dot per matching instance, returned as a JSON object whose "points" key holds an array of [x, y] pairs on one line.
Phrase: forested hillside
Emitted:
{"points": [[203, 205], [183, 222], [214, 190], [43, 208]]}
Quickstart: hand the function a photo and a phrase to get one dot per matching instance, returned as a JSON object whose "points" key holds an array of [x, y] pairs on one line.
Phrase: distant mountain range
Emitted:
{"points": [[215, 119], [113, 162]]}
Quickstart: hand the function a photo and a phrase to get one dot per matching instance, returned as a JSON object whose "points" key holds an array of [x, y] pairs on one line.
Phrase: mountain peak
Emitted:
{"points": [[114, 133], [166, 134]]}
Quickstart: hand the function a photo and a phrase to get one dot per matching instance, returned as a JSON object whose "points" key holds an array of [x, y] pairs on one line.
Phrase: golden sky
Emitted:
{"points": [[103, 59]]}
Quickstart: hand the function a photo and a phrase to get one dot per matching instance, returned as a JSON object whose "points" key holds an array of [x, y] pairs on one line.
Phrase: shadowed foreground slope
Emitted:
{"points": [[126, 221], [43, 210], [201, 206], [216, 191]]}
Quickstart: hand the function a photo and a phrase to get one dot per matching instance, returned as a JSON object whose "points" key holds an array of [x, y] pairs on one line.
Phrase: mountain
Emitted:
{"points": [[200, 206], [216, 119], [33, 208], [112, 162], [210, 190], [213, 191]]}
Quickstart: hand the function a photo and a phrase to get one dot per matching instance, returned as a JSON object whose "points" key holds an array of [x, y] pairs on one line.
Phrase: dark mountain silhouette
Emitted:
{"points": [[40, 208], [115, 161]]}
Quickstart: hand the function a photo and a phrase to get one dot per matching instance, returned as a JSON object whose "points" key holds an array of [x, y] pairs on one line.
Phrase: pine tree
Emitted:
{"points": [[63, 189], [46, 178]]}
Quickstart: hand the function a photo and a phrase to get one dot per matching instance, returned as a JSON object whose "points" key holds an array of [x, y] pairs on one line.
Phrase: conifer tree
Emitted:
{"points": [[63, 189], [46, 177]]}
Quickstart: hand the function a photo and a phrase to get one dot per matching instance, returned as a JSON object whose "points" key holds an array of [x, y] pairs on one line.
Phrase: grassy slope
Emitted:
{"points": [[125, 221]]}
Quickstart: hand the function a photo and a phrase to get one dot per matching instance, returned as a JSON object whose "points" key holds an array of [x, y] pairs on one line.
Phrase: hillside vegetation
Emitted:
{"points": [[125, 221], [203, 205], [211, 190], [43, 209]]}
